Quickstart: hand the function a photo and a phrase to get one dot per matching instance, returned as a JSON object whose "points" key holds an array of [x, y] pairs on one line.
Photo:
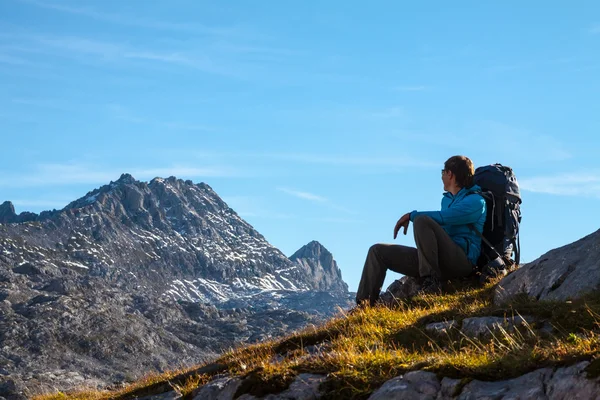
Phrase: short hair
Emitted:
{"points": [[462, 168]]}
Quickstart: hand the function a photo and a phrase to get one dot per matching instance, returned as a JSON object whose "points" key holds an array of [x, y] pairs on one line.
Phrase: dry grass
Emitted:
{"points": [[359, 352]]}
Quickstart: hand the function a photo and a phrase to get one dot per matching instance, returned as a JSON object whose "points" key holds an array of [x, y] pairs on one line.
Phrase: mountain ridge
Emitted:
{"points": [[165, 269]]}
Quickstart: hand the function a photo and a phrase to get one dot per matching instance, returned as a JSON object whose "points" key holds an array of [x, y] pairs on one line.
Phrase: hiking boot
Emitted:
{"points": [[492, 270], [388, 299], [430, 285]]}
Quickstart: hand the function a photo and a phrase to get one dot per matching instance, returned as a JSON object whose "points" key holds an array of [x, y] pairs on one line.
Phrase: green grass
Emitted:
{"points": [[359, 352]]}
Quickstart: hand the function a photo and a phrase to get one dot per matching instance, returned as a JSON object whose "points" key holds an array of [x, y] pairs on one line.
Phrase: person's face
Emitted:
{"points": [[446, 179]]}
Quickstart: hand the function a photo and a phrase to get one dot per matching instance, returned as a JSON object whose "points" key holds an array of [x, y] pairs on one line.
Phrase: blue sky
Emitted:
{"points": [[314, 120]]}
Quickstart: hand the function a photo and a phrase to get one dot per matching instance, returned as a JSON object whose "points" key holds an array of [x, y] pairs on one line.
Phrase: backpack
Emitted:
{"points": [[500, 236]]}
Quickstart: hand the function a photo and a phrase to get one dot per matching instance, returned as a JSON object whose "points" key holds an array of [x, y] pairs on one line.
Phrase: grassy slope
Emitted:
{"points": [[359, 352]]}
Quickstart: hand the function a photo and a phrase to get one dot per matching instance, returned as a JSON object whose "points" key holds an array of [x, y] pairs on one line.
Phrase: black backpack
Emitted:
{"points": [[500, 235]]}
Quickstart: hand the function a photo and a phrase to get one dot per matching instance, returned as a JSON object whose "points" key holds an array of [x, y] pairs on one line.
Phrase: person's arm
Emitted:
{"points": [[402, 222], [467, 211]]}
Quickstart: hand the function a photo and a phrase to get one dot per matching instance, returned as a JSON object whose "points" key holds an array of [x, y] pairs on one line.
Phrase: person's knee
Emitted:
{"points": [[375, 248], [423, 220]]}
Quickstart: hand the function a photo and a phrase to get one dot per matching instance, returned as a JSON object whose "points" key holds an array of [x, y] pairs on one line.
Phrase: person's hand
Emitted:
{"points": [[402, 222]]}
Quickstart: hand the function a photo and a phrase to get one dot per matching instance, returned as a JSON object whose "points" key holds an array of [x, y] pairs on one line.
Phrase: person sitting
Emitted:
{"points": [[447, 246]]}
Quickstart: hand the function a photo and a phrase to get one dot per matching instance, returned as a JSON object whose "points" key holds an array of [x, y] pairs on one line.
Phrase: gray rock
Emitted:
{"points": [[163, 396], [304, 387], [420, 385], [403, 288], [219, 389], [449, 388], [564, 273], [440, 327], [528, 386], [27, 269], [571, 383], [484, 327], [543, 384], [7, 212]]}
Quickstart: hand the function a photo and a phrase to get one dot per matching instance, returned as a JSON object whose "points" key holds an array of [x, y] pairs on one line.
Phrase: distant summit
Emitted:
{"points": [[317, 262]]}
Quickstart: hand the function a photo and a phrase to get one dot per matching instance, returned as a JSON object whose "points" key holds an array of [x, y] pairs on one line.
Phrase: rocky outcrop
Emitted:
{"points": [[546, 383], [8, 214], [562, 383], [563, 273], [318, 263]]}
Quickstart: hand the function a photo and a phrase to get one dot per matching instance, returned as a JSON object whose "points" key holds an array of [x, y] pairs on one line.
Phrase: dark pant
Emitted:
{"points": [[436, 255]]}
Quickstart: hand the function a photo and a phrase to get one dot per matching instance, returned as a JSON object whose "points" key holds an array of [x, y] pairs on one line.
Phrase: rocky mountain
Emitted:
{"points": [[138, 276], [316, 261]]}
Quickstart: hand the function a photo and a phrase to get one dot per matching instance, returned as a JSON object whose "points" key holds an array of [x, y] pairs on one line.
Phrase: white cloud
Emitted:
{"points": [[584, 184], [303, 195], [410, 88]]}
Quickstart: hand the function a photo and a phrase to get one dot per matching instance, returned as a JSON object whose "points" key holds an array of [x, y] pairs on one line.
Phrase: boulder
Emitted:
{"points": [[413, 385], [403, 288], [561, 274], [485, 327], [223, 388]]}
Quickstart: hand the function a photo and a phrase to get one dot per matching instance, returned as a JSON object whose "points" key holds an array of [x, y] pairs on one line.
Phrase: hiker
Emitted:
{"points": [[447, 247]]}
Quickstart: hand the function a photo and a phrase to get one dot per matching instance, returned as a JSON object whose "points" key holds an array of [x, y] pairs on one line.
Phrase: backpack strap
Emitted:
{"points": [[517, 249], [491, 246]]}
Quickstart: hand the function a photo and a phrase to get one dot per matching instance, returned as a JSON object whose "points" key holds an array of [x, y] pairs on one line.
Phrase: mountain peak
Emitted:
{"points": [[314, 244], [318, 262], [7, 212], [7, 208], [126, 179]]}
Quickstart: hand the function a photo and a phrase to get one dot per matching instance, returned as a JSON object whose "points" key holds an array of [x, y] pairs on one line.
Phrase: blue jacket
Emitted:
{"points": [[457, 213]]}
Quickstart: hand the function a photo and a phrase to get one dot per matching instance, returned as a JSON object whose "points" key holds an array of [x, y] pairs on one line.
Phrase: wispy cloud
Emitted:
{"points": [[337, 220], [303, 195], [74, 174], [529, 146], [585, 184], [81, 48], [315, 199], [253, 207], [124, 114], [52, 104], [233, 61], [390, 112], [358, 161], [13, 60], [499, 68], [134, 21], [410, 88]]}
